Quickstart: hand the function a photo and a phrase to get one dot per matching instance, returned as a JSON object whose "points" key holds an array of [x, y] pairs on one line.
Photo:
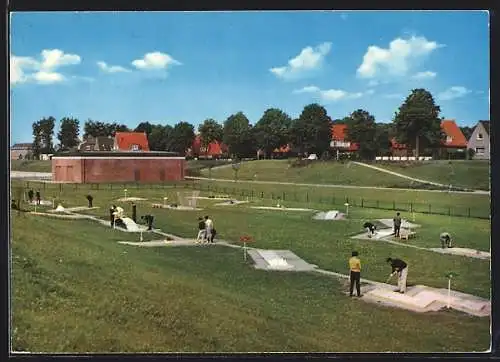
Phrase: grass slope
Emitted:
{"points": [[31, 165], [74, 289], [470, 174], [316, 173]]}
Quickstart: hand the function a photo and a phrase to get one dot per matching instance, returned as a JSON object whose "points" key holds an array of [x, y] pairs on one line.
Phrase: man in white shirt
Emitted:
{"points": [[209, 226]]}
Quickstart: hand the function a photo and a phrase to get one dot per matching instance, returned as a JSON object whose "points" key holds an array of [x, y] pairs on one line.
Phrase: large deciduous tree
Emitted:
{"points": [[311, 132], [210, 131], [238, 135], [102, 129], [37, 140], [417, 122], [362, 129], [145, 127], [68, 133], [43, 134], [272, 130], [181, 137], [159, 138]]}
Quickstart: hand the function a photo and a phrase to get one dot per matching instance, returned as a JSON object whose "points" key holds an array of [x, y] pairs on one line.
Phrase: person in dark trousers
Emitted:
{"points": [[90, 199], [111, 216], [134, 212], [445, 240], [370, 228], [31, 194], [355, 273], [400, 268], [201, 230], [397, 224], [38, 197]]}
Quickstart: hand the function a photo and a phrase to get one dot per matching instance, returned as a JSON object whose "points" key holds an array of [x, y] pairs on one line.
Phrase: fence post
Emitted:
{"points": [[429, 208], [378, 205], [449, 211], [262, 194], [347, 200], [283, 198], [362, 202], [272, 195], [468, 212], [307, 196], [411, 206]]}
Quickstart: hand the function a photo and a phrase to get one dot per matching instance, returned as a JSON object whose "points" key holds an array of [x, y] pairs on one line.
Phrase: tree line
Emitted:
{"points": [[417, 124]]}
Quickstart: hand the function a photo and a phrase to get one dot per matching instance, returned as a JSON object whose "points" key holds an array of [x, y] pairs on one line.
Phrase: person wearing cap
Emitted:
{"points": [[399, 268], [355, 273]]}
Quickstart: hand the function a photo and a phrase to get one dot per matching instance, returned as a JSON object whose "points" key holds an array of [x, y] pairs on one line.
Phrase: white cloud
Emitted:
{"points": [[373, 83], [425, 75], [308, 89], [44, 77], [155, 60], [18, 66], [453, 92], [331, 95], [43, 71], [397, 59], [55, 58], [111, 68], [308, 59]]}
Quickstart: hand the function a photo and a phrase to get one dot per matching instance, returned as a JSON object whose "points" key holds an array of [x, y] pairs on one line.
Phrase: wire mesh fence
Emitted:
{"points": [[478, 211]]}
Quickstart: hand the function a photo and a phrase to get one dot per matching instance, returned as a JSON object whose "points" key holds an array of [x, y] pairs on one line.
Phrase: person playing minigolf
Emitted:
{"points": [[446, 240], [400, 268], [370, 228]]}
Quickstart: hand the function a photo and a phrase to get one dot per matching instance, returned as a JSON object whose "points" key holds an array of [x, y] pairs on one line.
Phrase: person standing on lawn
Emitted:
{"points": [[397, 224], [355, 273], [38, 197], [400, 268], [201, 230], [209, 226]]}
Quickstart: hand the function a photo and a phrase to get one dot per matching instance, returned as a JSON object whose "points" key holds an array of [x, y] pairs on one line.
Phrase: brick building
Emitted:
{"points": [[108, 167]]}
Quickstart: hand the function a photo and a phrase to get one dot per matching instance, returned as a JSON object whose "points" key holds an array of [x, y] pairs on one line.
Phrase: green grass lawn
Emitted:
{"points": [[315, 173], [470, 174], [319, 242], [75, 289], [31, 165]]}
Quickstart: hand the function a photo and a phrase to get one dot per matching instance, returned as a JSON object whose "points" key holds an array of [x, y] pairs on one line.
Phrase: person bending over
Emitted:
{"points": [[370, 228]]}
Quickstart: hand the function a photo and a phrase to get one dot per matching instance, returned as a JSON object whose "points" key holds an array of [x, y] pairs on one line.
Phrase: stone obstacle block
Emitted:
{"points": [[406, 235]]}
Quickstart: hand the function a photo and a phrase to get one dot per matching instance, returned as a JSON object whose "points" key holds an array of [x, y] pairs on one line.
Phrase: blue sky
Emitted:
{"points": [[167, 67]]}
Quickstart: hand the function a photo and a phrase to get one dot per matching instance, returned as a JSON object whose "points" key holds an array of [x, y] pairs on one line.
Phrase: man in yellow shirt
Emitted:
{"points": [[355, 275]]}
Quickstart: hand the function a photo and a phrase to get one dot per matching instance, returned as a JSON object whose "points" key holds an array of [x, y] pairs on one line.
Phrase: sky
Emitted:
{"points": [[166, 67]]}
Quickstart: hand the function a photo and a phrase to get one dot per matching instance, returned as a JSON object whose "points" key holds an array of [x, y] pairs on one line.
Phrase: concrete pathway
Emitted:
{"points": [[30, 175]]}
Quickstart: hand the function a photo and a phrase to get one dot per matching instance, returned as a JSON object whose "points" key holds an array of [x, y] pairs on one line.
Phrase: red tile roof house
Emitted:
{"points": [[213, 150], [455, 144], [339, 142], [131, 141]]}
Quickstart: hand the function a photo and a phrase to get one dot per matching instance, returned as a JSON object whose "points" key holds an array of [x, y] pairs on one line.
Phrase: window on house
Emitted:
{"points": [[480, 150], [449, 139], [135, 147], [479, 136]]}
